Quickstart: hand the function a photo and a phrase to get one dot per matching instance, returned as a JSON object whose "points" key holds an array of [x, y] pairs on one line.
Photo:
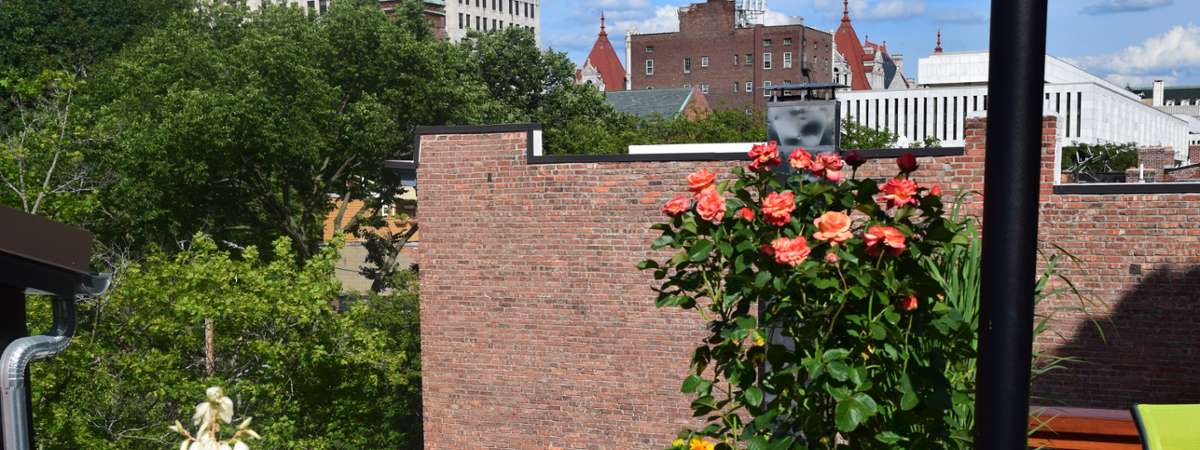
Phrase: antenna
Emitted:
{"points": [[750, 12]]}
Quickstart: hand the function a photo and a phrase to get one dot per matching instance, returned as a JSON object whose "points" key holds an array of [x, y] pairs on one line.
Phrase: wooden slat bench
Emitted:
{"points": [[1081, 429]]}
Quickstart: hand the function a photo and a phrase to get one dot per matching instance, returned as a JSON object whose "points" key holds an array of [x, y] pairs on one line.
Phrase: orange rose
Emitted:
{"points": [[701, 180], [790, 251], [746, 214], [764, 156], [711, 205], [833, 227], [678, 205], [908, 304], [777, 208], [936, 190], [884, 238], [800, 159], [899, 192]]}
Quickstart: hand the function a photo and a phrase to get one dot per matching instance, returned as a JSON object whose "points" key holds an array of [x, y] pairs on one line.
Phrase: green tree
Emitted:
{"points": [[73, 35], [1089, 159], [245, 124], [311, 377]]}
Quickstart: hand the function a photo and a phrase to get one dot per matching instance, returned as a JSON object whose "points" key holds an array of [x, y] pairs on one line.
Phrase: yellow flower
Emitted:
{"points": [[701, 444], [759, 341], [678, 443]]}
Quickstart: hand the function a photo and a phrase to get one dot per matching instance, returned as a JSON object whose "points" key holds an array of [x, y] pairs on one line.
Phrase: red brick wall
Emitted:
{"points": [[538, 332], [707, 30], [1194, 154]]}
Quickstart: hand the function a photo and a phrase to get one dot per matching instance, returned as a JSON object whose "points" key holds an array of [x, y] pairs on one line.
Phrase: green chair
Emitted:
{"points": [[1168, 427]]}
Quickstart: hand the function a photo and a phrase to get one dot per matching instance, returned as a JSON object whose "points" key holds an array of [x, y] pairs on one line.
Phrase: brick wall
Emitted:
{"points": [[1194, 154], [537, 331]]}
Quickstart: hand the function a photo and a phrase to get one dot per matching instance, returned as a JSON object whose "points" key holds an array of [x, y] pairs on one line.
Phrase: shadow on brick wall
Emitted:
{"points": [[1149, 351]]}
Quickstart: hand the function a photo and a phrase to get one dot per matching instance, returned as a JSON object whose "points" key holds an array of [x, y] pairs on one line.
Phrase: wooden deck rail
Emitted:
{"points": [[1082, 429]]}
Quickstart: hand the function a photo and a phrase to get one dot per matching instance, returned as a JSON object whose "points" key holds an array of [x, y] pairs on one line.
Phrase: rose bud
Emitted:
{"points": [[907, 163], [854, 159]]}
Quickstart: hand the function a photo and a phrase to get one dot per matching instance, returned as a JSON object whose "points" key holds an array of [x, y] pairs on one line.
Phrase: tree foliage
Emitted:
{"points": [[245, 124], [312, 378]]}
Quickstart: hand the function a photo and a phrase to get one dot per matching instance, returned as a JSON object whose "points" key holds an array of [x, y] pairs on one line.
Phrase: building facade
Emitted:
{"points": [[865, 65], [731, 64], [435, 10], [463, 16]]}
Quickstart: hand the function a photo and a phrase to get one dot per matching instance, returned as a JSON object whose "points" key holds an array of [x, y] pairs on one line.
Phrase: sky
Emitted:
{"points": [[1129, 42]]}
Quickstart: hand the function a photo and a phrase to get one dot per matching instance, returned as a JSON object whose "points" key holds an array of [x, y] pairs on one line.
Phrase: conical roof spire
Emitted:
{"points": [[938, 48], [845, 10], [602, 28]]}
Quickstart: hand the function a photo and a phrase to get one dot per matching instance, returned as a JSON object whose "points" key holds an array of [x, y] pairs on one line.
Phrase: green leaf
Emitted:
{"points": [[838, 370], [762, 279], [887, 437], [700, 250], [878, 332], [662, 241], [835, 354], [648, 264], [753, 396], [853, 411], [690, 384]]}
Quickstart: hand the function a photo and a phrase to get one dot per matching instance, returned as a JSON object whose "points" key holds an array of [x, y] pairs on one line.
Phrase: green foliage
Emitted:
{"points": [[311, 377], [613, 134], [72, 35], [862, 137], [243, 123], [843, 328], [1099, 158]]}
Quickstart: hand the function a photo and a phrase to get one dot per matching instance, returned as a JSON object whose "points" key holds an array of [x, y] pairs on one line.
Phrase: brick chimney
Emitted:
{"points": [[1194, 154]]}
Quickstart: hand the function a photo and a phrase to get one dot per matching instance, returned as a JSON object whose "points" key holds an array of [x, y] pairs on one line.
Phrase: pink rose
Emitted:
{"points": [[790, 251], [899, 192], [764, 156], [777, 208], [828, 165], [746, 214], [800, 159], [700, 180], [678, 205], [711, 205], [882, 238]]}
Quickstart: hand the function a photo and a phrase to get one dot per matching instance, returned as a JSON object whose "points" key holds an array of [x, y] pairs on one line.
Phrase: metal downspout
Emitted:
{"points": [[21, 352]]}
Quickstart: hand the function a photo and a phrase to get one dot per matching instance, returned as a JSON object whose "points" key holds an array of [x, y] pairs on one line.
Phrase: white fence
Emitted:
{"points": [[1088, 113]]}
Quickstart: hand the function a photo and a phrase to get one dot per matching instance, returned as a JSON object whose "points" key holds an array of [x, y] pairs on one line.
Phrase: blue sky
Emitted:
{"points": [[1126, 41]]}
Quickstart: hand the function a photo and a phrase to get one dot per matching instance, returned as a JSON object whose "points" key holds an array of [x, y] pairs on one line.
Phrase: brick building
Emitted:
{"points": [[730, 64]]}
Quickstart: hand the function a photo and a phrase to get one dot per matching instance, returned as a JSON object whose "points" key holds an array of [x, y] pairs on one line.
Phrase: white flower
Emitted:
{"points": [[185, 445], [201, 416], [239, 445], [226, 409]]}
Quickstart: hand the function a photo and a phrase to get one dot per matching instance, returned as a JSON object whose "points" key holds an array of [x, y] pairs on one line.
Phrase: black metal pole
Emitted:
{"points": [[12, 327], [1010, 222]]}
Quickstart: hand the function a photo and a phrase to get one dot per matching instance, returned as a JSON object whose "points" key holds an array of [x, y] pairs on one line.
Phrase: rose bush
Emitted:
{"points": [[817, 301]]}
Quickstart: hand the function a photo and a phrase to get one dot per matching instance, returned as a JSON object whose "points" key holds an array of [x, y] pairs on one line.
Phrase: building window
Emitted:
{"points": [[749, 86], [493, 24], [703, 61], [737, 87], [649, 49], [477, 21], [766, 89], [787, 60], [749, 59], [649, 67], [766, 43], [312, 5], [460, 20], [704, 88], [324, 5], [501, 24], [736, 59], [687, 65], [787, 42], [767, 61]]}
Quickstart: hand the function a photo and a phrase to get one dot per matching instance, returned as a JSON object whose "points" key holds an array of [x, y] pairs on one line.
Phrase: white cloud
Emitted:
{"points": [[1139, 80], [870, 10], [1178, 48], [1122, 6], [666, 19], [778, 18], [959, 16]]}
